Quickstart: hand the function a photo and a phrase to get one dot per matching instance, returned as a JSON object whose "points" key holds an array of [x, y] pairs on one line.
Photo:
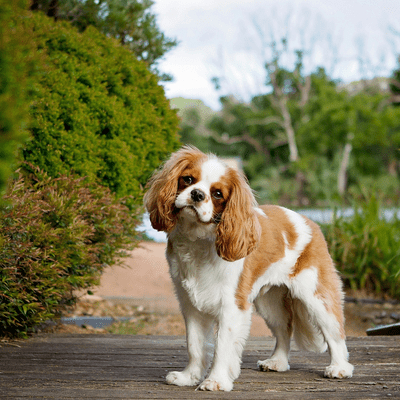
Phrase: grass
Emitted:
{"points": [[127, 327], [365, 248]]}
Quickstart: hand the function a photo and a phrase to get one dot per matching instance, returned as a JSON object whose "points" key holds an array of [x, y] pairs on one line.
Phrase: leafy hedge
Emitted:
{"points": [[98, 112], [56, 236], [15, 69], [100, 124]]}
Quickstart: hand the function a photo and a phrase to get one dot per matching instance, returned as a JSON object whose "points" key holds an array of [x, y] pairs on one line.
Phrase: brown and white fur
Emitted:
{"points": [[226, 253]]}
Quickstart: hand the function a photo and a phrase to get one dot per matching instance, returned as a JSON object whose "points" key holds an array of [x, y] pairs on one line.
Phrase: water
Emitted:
{"points": [[320, 216], [150, 232]]}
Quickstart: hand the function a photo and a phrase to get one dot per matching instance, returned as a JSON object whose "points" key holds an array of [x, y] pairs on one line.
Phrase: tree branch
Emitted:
{"points": [[344, 164], [265, 121], [305, 91], [280, 101], [244, 138]]}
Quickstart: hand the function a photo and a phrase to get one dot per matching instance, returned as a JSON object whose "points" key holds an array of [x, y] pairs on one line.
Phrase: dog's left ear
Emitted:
{"points": [[239, 231]]}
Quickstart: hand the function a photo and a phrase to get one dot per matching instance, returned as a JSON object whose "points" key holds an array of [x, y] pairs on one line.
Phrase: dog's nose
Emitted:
{"points": [[197, 195]]}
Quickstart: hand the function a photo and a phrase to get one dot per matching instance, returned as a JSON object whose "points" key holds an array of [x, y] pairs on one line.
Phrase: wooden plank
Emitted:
{"points": [[134, 367]]}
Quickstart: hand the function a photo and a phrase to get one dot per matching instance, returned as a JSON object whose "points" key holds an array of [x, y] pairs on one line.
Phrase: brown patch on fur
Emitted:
{"points": [[163, 186], [193, 171], [329, 288], [270, 250], [224, 186]]}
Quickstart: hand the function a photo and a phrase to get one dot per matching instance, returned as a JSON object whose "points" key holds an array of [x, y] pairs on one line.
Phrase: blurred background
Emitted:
{"points": [[303, 95]]}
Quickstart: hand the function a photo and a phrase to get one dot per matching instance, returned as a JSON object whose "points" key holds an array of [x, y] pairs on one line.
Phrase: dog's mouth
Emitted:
{"points": [[192, 210]]}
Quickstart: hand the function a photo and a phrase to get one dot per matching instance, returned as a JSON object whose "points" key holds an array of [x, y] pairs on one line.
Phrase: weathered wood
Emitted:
{"points": [[134, 367]]}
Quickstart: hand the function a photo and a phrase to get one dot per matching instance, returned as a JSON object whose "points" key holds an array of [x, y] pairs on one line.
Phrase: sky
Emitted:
{"points": [[230, 39]]}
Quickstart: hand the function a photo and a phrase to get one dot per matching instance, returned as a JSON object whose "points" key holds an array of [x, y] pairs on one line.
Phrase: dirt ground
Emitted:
{"points": [[143, 291]]}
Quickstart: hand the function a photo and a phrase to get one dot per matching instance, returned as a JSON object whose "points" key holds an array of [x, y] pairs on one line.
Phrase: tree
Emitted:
{"points": [[345, 138], [289, 88], [129, 21], [97, 112], [357, 132]]}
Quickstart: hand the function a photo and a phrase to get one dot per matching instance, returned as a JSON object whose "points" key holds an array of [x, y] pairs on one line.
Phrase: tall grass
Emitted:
{"points": [[366, 248]]}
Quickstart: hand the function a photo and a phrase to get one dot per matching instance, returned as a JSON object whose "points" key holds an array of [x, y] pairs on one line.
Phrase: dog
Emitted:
{"points": [[225, 254]]}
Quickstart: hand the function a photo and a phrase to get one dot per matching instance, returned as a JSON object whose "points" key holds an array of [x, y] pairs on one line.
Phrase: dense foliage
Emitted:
{"points": [[132, 22], [365, 247], [99, 124], [15, 69], [97, 112], [56, 236]]}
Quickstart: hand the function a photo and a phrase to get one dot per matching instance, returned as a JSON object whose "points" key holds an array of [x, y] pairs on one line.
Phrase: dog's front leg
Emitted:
{"points": [[232, 332], [199, 334]]}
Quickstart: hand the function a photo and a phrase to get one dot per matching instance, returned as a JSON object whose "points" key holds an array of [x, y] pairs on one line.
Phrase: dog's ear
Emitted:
{"points": [[239, 230], [159, 199]]}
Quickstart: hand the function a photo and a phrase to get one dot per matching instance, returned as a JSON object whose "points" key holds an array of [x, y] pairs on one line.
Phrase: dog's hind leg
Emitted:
{"points": [[275, 306], [332, 330], [325, 312]]}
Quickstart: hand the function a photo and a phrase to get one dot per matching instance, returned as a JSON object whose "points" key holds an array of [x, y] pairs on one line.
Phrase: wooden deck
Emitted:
{"points": [[134, 367]]}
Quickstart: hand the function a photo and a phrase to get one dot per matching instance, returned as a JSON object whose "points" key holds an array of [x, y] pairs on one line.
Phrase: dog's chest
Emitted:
{"points": [[207, 280]]}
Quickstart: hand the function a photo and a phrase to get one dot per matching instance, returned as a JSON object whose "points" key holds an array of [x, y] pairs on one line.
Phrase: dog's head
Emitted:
{"points": [[201, 188]]}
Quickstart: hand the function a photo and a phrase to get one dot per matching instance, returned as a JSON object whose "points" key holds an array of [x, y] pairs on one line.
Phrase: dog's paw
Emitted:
{"points": [[182, 379], [342, 370], [213, 385], [272, 364]]}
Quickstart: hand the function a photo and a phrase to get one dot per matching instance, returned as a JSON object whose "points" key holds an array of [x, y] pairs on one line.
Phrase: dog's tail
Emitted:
{"points": [[306, 335]]}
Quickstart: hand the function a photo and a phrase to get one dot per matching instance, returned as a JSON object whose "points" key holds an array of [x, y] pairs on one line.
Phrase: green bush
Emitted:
{"points": [[56, 236], [365, 248], [15, 70], [98, 112]]}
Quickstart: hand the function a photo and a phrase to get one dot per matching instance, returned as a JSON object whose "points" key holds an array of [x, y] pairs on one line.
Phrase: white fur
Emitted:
{"points": [[206, 286]]}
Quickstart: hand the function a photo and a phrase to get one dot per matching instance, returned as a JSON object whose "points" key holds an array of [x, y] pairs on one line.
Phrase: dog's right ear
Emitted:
{"points": [[238, 232], [159, 199]]}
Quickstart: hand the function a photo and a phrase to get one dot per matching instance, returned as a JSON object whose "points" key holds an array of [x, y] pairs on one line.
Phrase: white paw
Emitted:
{"points": [[342, 370], [273, 365], [182, 379], [213, 385]]}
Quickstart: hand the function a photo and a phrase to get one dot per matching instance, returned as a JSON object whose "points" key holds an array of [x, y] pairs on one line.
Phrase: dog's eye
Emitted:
{"points": [[218, 195], [188, 180]]}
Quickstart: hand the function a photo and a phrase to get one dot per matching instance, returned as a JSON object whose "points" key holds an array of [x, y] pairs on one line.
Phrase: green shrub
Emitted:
{"points": [[365, 248], [15, 70], [56, 236], [98, 112]]}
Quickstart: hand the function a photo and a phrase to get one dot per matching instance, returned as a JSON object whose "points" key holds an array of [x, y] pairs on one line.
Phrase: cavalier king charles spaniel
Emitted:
{"points": [[226, 253]]}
